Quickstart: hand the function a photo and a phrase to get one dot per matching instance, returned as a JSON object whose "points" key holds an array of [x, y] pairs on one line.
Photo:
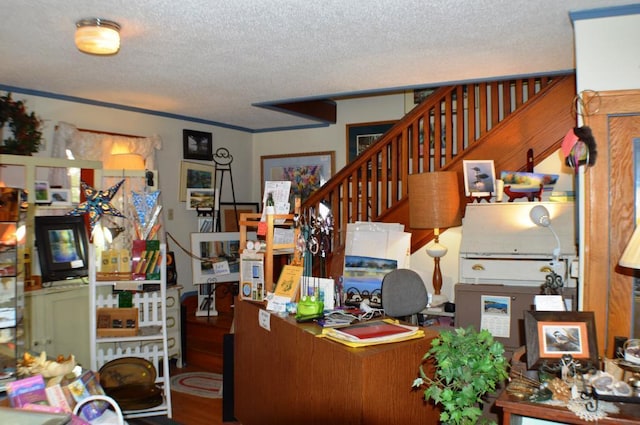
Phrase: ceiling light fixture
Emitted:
{"points": [[97, 36]]}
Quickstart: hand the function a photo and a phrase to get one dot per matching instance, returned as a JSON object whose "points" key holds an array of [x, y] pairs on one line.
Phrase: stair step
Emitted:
{"points": [[205, 360], [204, 335]]}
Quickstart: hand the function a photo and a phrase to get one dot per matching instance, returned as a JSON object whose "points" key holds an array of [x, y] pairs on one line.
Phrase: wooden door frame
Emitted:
{"points": [[609, 214]]}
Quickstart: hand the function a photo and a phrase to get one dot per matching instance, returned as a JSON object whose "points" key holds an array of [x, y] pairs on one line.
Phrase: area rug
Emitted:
{"points": [[152, 420], [201, 384]]}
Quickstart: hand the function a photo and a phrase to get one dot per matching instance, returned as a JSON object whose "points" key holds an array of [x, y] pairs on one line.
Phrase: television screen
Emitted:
{"points": [[62, 245]]}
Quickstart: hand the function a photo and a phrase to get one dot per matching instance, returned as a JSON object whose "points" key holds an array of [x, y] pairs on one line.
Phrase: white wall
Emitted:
{"points": [[608, 52], [331, 138]]}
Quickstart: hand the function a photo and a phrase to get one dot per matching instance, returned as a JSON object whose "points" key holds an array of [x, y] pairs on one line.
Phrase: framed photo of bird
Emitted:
{"points": [[479, 177], [554, 336]]}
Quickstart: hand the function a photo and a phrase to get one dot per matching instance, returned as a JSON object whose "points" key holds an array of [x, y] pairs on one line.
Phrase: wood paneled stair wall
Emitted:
{"points": [[506, 120]]}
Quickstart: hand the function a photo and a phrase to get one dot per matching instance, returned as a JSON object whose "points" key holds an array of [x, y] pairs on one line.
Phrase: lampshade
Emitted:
{"points": [[124, 161], [434, 200], [631, 255], [540, 216], [97, 36]]}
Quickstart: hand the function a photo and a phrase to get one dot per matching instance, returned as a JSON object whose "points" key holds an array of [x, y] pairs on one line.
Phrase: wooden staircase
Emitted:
{"points": [[498, 120], [204, 335]]}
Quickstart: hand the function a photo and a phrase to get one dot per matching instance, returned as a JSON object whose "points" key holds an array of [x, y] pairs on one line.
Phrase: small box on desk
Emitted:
{"points": [[117, 321]]}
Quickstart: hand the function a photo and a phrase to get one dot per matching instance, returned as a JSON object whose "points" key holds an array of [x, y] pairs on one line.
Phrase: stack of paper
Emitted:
{"points": [[373, 333]]}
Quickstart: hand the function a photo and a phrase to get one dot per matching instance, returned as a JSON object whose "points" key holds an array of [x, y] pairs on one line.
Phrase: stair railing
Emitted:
{"points": [[458, 117]]}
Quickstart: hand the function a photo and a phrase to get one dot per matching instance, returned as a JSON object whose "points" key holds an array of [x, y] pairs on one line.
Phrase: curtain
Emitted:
{"points": [[95, 146]]}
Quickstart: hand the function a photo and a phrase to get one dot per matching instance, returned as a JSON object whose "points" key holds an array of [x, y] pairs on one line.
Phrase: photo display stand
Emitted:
{"points": [[206, 299]]}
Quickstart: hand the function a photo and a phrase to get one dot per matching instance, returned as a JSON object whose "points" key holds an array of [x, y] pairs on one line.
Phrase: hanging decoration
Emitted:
{"points": [[144, 203], [147, 214], [25, 127], [579, 147], [98, 203]]}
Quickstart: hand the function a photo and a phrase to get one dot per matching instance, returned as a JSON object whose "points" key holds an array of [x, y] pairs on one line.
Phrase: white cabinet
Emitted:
{"points": [[149, 343], [57, 322], [174, 328]]}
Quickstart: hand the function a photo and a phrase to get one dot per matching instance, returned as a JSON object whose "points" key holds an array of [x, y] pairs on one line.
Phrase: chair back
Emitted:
{"points": [[403, 293]]}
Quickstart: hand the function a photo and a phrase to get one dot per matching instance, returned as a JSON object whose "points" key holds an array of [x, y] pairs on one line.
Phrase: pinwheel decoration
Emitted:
{"points": [[97, 203]]}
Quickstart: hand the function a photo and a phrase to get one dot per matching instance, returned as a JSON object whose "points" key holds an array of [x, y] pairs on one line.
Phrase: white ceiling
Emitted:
{"points": [[214, 60]]}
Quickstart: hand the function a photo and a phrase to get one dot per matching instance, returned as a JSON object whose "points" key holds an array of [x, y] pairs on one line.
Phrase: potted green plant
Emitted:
{"points": [[468, 364]]}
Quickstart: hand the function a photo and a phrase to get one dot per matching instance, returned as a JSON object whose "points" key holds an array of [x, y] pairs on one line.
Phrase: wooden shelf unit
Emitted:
{"points": [[252, 221]]}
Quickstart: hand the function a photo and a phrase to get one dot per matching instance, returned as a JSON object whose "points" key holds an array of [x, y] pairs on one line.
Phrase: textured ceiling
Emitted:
{"points": [[216, 60]]}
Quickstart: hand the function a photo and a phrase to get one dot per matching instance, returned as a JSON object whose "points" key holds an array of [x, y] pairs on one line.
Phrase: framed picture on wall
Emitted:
{"points": [[197, 145], [42, 191], [60, 196], [361, 136], [194, 175], [306, 171], [201, 199]]}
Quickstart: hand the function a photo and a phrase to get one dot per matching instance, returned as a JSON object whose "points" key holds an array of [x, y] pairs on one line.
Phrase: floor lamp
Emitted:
{"points": [[434, 203]]}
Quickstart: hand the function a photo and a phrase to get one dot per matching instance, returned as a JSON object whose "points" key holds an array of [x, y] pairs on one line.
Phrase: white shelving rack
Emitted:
{"points": [[152, 347]]}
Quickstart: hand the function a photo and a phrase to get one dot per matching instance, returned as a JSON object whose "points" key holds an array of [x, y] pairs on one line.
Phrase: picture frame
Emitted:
{"points": [[307, 172], [551, 334], [63, 247], [216, 257], [228, 220], [479, 177], [42, 192], [361, 136], [201, 198], [205, 224], [195, 175], [197, 145], [60, 196]]}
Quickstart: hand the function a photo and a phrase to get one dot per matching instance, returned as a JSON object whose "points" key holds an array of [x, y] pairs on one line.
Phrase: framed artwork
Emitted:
{"points": [[216, 257], [42, 191], [60, 196], [197, 145], [479, 177], [553, 334], [306, 171], [228, 219], [521, 181], [194, 175], [205, 224], [361, 136], [201, 198]]}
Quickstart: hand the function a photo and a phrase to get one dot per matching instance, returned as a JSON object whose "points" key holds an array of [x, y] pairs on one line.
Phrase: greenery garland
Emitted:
{"points": [[26, 127]]}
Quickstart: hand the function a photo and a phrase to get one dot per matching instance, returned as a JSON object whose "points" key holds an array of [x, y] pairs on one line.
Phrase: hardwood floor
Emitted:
{"points": [[193, 410], [203, 353]]}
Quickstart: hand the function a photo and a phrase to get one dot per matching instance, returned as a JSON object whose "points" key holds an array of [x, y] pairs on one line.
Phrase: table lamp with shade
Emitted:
{"points": [[434, 203], [631, 254]]}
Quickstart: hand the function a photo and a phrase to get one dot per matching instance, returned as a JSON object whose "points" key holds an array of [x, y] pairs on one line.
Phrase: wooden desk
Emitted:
{"points": [[629, 412], [289, 376]]}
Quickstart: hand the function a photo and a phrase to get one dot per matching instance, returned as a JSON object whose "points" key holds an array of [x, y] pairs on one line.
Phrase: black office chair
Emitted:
{"points": [[403, 294]]}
